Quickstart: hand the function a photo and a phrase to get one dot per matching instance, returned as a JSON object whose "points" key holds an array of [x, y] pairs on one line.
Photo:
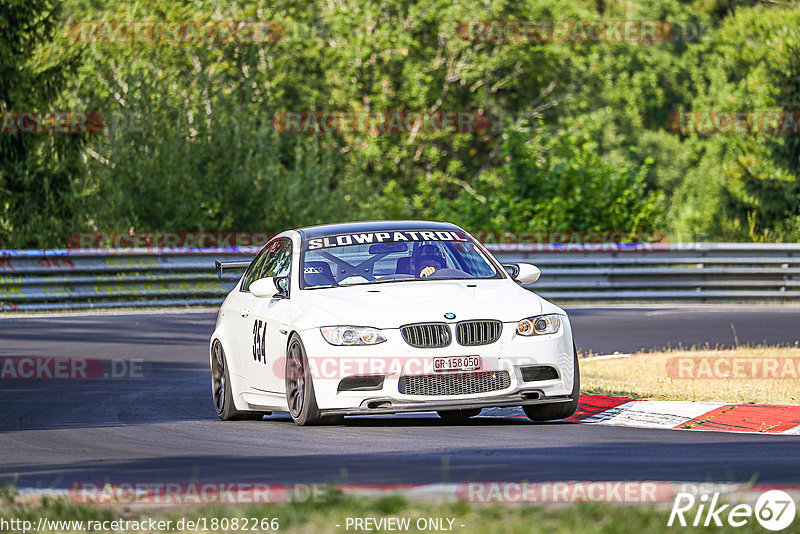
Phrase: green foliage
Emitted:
{"points": [[749, 181], [556, 181], [35, 170], [579, 139], [203, 171]]}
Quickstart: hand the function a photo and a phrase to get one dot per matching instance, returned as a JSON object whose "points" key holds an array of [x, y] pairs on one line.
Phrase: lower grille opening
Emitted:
{"points": [[362, 383], [536, 373], [454, 383], [374, 405]]}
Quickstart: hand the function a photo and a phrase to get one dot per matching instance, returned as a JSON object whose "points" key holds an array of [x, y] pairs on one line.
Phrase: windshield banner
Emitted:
{"points": [[366, 238]]}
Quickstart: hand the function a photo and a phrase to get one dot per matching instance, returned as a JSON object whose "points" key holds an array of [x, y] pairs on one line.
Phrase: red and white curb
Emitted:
{"points": [[715, 416], [685, 415]]}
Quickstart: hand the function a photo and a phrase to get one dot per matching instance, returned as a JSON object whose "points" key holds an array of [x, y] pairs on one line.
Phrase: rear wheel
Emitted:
{"points": [[561, 410], [300, 388], [458, 416], [221, 390]]}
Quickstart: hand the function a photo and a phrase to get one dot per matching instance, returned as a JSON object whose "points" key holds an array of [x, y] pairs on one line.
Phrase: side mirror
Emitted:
{"points": [[523, 273], [266, 287]]}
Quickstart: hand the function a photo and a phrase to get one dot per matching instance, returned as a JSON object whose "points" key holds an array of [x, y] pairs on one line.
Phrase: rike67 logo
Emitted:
{"points": [[774, 510]]}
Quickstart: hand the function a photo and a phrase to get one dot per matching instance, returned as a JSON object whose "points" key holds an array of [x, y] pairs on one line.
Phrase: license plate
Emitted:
{"points": [[457, 363]]}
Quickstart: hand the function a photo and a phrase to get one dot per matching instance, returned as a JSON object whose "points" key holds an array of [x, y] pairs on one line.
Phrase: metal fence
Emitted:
{"points": [[70, 279]]}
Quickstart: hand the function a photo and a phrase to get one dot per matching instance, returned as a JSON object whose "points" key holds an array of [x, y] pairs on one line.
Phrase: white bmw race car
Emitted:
{"points": [[388, 317]]}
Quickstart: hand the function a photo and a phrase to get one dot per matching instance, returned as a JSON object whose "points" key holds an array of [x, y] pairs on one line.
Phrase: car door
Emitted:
{"points": [[251, 332], [279, 314], [269, 319]]}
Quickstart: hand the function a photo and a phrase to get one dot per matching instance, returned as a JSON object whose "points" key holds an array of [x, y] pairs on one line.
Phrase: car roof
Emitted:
{"points": [[325, 230]]}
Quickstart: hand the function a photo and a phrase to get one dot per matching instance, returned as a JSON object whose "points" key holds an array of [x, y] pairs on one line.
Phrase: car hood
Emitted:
{"points": [[390, 305]]}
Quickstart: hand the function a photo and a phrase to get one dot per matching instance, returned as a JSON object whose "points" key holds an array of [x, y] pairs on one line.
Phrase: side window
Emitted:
{"points": [[256, 267], [280, 260]]}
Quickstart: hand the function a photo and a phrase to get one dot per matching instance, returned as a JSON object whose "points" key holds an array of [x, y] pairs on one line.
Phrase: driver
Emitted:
{"points": [[426, 260]]}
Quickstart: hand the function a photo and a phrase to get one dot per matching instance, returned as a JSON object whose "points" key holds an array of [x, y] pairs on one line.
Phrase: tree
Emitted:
{"points": [[36, 170], [746, 185], [553, 181]]}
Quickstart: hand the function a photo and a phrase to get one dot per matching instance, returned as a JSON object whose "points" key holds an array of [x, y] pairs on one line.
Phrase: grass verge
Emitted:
{"points": [[748, 375], [335, 509]]}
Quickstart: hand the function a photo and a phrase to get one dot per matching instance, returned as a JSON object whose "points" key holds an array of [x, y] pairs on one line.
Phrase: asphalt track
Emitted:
{"points": [[162, 428]]}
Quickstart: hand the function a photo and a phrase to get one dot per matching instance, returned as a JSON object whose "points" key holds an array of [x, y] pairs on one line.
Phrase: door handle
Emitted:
{"points": [[245, 312]]}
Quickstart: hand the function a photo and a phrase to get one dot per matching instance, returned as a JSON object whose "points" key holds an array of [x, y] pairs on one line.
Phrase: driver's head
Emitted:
{"points": [[427, 256]]}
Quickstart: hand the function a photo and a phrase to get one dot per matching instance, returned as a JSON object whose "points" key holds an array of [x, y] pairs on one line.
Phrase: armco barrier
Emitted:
{"points": [[68, 279], [71, 279]]}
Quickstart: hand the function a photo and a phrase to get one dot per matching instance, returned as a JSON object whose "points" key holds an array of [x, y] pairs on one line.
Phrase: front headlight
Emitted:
{"points": [[539, 325], [352, 335]]}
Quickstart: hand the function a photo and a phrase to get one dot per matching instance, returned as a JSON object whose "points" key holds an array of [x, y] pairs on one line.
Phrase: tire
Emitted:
{"points": [[458, 416], [221, 391], [300, 396], [561, 410]]}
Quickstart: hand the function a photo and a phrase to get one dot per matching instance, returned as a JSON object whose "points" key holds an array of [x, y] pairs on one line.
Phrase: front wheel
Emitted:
{"points": [[300, 388], [221, 389], [561, 410]]}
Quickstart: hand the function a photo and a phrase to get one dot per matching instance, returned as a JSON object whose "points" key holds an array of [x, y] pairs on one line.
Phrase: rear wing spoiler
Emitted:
{"points": [[228, 265]]}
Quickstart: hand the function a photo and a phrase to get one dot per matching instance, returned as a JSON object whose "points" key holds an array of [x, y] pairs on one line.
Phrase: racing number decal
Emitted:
{"points": [[260, 341]]}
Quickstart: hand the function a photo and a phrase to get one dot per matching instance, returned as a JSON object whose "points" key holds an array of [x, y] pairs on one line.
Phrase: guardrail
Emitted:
{"points": [[71, 279]]}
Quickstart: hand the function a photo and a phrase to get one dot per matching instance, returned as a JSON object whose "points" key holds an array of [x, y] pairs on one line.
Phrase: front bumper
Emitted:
{"points": [[390, 406], [394, 359]]}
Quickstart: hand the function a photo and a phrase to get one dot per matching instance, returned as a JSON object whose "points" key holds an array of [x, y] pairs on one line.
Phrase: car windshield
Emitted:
{"points": [[377, 257]]}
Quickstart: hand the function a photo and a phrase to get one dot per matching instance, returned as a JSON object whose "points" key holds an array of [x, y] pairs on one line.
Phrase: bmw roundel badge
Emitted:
{"points": [[449, 315]]}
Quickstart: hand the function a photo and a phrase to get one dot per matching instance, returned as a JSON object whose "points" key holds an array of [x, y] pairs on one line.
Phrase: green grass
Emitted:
{"points": [[334, 508]]}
